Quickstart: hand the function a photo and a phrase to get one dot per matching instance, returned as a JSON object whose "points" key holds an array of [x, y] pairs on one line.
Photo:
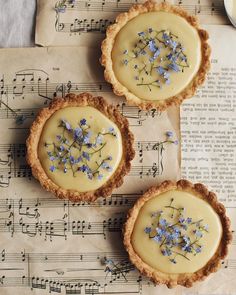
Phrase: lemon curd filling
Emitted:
{"points": [[80, 148], [156, 55], [176, 232]]}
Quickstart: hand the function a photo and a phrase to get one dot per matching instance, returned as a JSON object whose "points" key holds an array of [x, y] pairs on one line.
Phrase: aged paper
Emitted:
{"points": [[66, 22], [208, 131], [54, 246]]}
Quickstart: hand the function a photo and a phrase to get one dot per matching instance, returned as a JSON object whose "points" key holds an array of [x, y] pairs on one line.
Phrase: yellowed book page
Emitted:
{"points": [[208, 130], [51, 246], [73, 23]]}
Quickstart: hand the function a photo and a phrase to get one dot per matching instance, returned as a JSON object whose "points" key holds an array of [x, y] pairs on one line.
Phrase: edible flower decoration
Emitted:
{"points": [[74, 149], [179, 236], [155, 56]]}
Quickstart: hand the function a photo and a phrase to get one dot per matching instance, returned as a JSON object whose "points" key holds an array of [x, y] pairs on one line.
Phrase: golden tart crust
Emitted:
{"points": [[184, 279], [111, 112], [121, 90]]}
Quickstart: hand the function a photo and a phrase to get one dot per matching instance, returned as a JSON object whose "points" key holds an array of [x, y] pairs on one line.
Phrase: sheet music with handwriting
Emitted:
{"points": [[84, 22], [54, 246]]}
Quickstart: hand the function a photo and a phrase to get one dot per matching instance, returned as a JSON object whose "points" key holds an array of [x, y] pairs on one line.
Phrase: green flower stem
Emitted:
{"points": [[94, 152], [180, 254]]}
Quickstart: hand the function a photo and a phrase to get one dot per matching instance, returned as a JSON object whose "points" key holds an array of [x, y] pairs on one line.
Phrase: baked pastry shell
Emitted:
{"points": [[111, 112], [108, 43], [184, 279]]}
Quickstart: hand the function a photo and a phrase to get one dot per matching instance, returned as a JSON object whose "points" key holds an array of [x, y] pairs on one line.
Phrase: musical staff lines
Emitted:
{"points": [[65, 23], [200, 7]]}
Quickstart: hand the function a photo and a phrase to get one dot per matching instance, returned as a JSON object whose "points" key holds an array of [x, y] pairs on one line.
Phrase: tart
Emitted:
{"points": [[177, 233], [80, 147], [155, 55]]}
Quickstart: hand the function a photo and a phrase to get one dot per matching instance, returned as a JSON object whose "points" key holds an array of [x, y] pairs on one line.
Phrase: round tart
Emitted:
{"points": [[80, 147], [155, 55], [177, 233]]}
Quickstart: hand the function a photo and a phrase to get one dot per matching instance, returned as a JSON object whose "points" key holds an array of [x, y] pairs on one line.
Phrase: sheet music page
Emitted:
{"points": [[84, 22], [54, 246]]}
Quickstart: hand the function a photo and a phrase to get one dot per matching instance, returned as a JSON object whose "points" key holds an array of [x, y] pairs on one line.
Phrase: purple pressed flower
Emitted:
{"points": [[160, 231], [167, 81], [156, 54], [187, 248], [160, 70], [83, 168], [86, 139], [173, 66], [186, 239], [78, 132], [188, 220], [52, 158], [60, 9], [100, 176], [173, 44], [61, 148], [198, 250], [52, 168], [152, 45], [64, 160], [109, 158], [169, 56], [157, 239], [169, 134], [141, 34], [72, 159], [165, 36], [67, 125], [166, 75], [206, 227], [163, 222], [58, 137], [176, 142], [83, 122], [86, 155], [166, 252], [181, 220], [79, 159], [99, 139], [147, 230]]}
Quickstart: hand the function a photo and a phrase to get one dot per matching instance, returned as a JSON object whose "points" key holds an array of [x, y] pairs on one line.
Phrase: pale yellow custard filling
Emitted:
{"points": [[198, 209], [98, 147], [134, 72]]}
